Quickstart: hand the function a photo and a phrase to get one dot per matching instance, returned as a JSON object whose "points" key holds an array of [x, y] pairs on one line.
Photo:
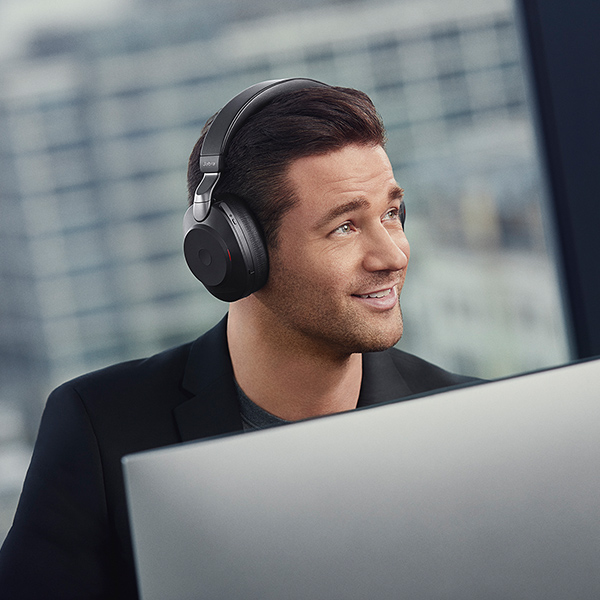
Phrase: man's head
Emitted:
{"points": [[306, 122], [312, 167]]}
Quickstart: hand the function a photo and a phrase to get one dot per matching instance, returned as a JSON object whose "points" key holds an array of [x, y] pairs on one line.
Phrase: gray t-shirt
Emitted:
{"points": [[253, 416]]}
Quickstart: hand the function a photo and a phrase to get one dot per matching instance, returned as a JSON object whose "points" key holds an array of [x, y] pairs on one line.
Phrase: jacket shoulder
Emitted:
{"points": [[133, 375], [129, 405]]}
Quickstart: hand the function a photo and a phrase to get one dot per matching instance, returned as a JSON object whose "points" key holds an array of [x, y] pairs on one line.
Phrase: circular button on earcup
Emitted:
{"points": [[206, 255]]}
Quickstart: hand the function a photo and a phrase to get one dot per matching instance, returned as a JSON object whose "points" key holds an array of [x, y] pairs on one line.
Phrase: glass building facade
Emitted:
{"points": [[96, 124]]}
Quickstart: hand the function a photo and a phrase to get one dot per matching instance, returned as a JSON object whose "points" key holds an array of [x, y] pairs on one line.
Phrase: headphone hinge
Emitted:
{"points": [[203, 196]]}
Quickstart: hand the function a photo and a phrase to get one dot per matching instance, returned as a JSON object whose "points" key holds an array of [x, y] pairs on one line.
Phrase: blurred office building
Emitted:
{"points": [[97, 121]]}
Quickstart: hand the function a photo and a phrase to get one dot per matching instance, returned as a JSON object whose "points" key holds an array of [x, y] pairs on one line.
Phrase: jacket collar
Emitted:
{"points": [[214, 409]]}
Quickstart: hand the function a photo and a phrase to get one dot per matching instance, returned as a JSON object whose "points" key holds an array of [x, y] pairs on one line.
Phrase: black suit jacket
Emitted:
{"points": [[70, 537]]}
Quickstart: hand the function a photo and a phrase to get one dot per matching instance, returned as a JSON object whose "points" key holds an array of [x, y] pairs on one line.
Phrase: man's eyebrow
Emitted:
{"points": [[396, 193], [337, 211]]}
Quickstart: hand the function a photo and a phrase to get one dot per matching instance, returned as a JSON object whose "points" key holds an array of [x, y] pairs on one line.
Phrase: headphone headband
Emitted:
{"points": [[224, 127]]}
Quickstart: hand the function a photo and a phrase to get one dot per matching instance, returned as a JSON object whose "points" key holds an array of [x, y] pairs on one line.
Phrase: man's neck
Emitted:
{"points": [[284, 375]]}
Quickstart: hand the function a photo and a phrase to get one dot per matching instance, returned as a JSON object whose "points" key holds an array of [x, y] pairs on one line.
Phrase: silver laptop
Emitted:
{"points": [[490, 491]]}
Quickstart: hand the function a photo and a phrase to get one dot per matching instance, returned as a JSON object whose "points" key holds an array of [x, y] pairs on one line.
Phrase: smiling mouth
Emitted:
{"points": [[381, 294]]}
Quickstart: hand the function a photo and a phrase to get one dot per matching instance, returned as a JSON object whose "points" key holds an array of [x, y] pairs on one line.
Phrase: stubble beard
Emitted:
{"points": [[331, 330]]}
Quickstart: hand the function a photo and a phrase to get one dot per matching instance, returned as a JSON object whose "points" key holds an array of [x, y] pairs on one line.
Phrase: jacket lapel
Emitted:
{"points": [[213, 408], [381, 380]]}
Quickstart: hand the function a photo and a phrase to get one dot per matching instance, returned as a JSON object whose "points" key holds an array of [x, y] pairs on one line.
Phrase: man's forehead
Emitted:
{"points": [[340, 175]]}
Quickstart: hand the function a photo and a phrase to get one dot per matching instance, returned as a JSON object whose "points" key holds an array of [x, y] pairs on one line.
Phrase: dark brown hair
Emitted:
{"points": [[294, 125]]}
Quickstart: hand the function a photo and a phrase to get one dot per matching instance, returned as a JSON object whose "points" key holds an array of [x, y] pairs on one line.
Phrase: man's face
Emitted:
{"points": [[340, 263]]}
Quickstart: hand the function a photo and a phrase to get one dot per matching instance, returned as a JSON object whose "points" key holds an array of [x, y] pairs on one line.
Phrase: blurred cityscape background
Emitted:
{"points": [[101, 103]]}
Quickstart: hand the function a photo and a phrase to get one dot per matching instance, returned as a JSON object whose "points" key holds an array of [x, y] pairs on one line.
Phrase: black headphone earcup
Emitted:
{"points": [[226, 251]]}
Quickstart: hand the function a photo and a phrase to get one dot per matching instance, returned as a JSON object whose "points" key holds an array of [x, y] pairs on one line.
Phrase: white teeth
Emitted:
{"points": [[377, 294]]}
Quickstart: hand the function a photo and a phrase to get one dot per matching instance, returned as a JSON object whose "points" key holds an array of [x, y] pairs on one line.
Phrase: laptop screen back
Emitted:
{"points": [[489, 491]]}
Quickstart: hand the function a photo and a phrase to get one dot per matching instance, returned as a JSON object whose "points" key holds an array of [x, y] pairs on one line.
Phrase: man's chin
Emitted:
{"points": [[382, 345], [383, 341], [388, 335]]}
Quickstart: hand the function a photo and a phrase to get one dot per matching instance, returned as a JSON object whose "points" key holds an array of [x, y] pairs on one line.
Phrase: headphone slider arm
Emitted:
{"points": [[203, 196]]}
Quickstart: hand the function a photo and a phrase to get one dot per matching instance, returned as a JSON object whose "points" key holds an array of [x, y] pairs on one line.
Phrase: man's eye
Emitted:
{"points": [[343, 228], [396, 214], [392, 214]]}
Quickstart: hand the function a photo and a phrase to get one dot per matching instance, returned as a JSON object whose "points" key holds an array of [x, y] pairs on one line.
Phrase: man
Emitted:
{"points": [[315, 339]]}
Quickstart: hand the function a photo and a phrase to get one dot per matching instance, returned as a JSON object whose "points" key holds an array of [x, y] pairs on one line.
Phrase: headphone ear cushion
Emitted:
{"points": [[249, 227]]}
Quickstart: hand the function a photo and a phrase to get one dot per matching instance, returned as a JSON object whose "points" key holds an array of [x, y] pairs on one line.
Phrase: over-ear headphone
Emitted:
{"points": [[223, 243]]}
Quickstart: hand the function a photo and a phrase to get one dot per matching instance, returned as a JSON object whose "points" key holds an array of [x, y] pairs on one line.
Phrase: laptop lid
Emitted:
{"points": [[488, 491]]}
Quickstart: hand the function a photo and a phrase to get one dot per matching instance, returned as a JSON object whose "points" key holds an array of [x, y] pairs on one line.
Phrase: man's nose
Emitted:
{"points": [[386, 251]]}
